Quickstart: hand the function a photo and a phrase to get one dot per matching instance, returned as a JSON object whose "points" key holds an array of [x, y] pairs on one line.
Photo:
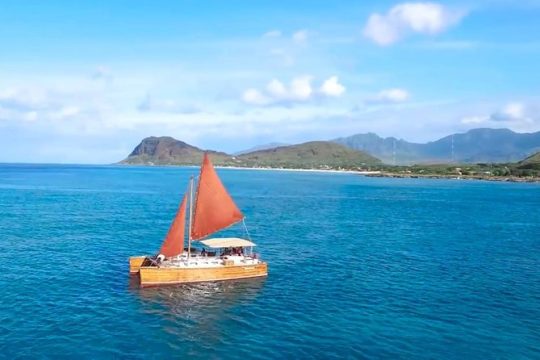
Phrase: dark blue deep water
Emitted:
{"points": [[359, 268]]}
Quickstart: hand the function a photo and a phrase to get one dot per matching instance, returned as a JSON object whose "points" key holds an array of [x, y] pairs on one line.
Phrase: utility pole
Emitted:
{"points": [[453, 159], [394, 153]]}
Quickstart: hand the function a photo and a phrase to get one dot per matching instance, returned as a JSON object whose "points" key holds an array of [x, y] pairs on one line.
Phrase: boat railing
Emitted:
{"points": [[148, 261]]}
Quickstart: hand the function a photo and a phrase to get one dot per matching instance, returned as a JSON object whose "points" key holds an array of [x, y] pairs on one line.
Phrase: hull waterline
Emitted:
{"points": [[154, 276]]}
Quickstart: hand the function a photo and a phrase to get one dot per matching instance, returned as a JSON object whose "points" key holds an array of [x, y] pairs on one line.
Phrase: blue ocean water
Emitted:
{"points": [[359, 267]]}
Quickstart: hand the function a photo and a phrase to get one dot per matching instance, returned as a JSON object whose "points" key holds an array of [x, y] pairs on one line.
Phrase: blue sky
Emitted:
{"points": [[84, 82]]}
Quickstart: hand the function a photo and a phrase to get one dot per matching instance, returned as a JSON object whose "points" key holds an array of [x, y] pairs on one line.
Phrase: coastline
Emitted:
{"points": [[368, 173], [358, 172], [378, 173], [457, 177]]}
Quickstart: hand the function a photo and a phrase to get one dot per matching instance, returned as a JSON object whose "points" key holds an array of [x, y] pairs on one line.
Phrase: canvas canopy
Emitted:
{"points": [[226, 242]]}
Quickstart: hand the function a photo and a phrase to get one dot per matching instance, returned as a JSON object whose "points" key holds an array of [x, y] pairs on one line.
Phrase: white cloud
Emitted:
{"points": [[30, 116], [254, 97], [449, 45], [276, 89], [407, 18], [475, 119], [511, 112], [102, 72], [272, 34], [24, 98], [300, 36], [300, 89], [389, 96], [332, 87], [66, 112], [518, 116], [47, 105], [166, 106]]}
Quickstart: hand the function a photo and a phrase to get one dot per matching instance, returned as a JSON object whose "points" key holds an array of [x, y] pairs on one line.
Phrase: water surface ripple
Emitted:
{"points": [[359, 268]]}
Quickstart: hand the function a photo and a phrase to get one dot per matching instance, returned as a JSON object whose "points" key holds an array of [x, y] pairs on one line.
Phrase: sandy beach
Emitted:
{"points": [[302, 170]]}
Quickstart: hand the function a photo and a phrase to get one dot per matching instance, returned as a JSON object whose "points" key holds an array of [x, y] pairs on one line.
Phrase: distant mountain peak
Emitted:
{"points": [[270, 145], [312, 154], [315, 154], [475, 145], [166, 150], [154, 144]]}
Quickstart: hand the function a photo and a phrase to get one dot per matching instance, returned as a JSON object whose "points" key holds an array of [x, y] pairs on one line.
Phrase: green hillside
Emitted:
{"points": [[314, 154], [311, 155], [474, 146], [531, 162], [166, 150]]}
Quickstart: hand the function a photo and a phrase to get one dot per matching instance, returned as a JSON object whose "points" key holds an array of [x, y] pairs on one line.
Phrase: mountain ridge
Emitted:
{"points": [[473, 146], [482, 145], [267, 146], [312, 154], [166, 150]]}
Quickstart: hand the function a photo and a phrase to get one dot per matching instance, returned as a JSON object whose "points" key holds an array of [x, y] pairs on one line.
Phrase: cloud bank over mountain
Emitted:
{"points": [[417, 70]]}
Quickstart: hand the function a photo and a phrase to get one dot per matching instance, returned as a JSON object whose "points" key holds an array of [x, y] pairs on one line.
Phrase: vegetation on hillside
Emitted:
{"points": [[478, 171], [166, 150], [311, 155], [474, 146], [324, 155]]}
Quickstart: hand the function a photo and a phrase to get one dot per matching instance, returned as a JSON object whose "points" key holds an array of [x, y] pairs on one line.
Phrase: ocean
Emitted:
{"points": [[358, 267]]}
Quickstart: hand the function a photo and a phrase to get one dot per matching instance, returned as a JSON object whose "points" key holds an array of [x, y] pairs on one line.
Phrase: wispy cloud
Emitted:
{"points": [[149, 104], [514, 111], [449, 45], [300, 36], [102, 73], [409, 18], [272, 34], [389, 96], [514, 114]]}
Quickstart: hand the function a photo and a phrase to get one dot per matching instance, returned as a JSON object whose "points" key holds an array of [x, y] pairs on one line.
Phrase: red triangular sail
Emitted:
{"points": [[214, 207], [174, 241]]}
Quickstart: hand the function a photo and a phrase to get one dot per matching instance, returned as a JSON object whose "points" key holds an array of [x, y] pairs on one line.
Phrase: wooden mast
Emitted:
{"points": [[190, 217]]}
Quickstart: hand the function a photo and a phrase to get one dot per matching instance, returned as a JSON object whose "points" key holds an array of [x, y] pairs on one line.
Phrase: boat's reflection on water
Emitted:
{"points": [[200, 309]]}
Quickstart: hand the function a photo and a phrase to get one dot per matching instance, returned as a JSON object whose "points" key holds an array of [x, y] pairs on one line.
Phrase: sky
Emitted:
{"points": [[84, 82]]}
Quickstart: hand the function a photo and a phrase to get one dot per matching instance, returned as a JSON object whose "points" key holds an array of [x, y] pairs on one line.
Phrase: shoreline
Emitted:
{"points": [[332, 171], [383, 174], [372, 173], [515, 179]]}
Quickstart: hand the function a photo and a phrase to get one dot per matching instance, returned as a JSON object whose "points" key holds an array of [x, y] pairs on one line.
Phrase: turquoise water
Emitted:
{"points": [[359, 267]]}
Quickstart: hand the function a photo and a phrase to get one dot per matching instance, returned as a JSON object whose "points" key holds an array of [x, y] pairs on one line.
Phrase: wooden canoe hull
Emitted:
{"points": [[152, 276], [135, 263]]}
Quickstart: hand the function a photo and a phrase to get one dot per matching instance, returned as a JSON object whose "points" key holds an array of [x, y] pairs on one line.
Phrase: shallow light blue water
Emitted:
{"points": [[359, 267]]}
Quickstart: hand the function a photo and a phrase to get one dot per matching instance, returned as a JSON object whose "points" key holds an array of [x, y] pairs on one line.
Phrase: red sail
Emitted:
{"points": [[174, 241], [214, 207]]}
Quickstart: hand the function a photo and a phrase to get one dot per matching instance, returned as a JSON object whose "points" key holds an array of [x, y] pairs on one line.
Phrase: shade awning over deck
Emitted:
{"points": [[226, 242]]}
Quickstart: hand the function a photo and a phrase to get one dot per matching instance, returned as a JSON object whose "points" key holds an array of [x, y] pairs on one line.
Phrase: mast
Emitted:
{"points": [[190, 217]]}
